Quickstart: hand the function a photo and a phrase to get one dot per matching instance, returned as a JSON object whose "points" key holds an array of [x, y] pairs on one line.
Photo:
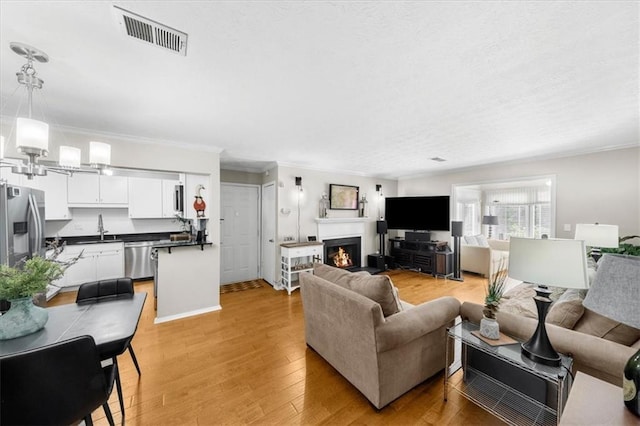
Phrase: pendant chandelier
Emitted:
{"points": [[32, 136]]}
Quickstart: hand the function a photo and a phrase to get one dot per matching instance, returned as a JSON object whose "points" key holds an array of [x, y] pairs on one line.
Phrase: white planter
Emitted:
{"points": [[490, 328]]}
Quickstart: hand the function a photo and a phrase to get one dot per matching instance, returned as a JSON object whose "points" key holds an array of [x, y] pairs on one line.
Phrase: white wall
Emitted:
{"points": [[601, 187]]}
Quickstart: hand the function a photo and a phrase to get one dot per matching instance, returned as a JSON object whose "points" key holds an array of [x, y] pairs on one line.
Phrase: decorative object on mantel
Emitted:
{"points": [[615, 294], [199, 205], [20, 284], [489, 327], [323, 208], [363, 206], [32, 136]]}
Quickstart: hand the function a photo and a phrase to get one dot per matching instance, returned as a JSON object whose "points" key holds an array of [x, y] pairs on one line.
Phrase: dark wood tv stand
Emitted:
{"points": [[432, 257]]}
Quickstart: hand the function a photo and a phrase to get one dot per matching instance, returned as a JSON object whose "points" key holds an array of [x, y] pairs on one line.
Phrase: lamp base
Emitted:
{"points": [[539, 348]]}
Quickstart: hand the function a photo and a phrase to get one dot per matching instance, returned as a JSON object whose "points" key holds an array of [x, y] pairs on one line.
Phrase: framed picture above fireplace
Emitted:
{"points": [[343, 197]]}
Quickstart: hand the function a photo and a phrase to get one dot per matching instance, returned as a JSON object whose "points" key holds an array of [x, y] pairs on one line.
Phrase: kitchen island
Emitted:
{"points": [[186, 282]]}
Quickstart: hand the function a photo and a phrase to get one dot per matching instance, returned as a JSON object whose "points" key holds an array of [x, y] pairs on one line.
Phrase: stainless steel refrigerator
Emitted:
{"points": [[21, 223]]}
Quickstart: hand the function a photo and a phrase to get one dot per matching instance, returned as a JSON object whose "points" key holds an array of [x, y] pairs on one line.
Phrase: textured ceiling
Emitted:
{"points": [[373, 88]]}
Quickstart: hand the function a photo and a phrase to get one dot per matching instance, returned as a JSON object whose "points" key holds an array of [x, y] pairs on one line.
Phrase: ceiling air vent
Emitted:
{"points": [[150, 31]]}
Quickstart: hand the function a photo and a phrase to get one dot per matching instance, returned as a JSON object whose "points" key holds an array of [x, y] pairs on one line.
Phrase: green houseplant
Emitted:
{"points": [[489, 327], [21, 283]]}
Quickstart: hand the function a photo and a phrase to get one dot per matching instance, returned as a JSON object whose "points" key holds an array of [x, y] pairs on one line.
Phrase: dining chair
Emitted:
{"points": [[57, 384], [104, 291]]}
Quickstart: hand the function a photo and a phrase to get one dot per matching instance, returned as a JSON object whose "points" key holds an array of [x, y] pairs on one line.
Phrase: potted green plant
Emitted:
{"points": [[20, 284], [489, 327]]}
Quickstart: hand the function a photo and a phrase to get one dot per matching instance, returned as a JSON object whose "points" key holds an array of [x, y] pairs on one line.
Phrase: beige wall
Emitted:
{"points": [[601, 187], [233, 176]]}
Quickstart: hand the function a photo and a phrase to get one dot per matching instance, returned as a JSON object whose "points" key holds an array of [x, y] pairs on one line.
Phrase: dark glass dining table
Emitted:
{"points": [[108, 322]]}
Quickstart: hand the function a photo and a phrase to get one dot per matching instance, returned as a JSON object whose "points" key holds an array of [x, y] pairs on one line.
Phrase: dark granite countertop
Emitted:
{"points": [[168, 243], [114, 238]]}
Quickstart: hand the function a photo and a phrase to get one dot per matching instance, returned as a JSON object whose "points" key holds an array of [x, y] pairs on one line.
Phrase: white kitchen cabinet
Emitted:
{"points": [[54, 186], [91, 190], [145, 198], [99, 261], [151, 198], [190, 185], [12, 178]]}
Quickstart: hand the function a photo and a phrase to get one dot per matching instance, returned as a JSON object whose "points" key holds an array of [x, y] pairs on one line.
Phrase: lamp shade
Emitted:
{"points": [[32, 135], [615, 292], [596, 235], [69, 157], [550, 262], [99, 153], [489, 220]]}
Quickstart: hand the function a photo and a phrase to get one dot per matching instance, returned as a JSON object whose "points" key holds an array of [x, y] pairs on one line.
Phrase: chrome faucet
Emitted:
{"points": [[101, 229]]}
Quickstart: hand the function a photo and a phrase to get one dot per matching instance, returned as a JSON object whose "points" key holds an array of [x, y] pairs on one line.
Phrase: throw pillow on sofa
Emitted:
{"points": [[565, 312], [378, 288]]}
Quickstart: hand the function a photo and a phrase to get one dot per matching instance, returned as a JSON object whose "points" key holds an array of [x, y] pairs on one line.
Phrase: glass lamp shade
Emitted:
{"points": [[69, 157], [32, 135], [99, 153]]}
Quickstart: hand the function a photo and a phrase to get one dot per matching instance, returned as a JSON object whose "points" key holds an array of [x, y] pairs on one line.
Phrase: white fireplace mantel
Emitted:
{"points": [[330, 228]]}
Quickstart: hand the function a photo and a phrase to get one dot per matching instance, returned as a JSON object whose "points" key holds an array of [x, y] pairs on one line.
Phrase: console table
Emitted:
{"points": [[422, 255], [297, 258]]}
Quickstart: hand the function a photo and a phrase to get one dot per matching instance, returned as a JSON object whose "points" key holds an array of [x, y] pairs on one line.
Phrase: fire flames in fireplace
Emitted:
{"points": [[342, 259]]}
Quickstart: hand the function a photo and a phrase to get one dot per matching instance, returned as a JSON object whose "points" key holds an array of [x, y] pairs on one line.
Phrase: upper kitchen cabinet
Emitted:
{"points": [[154, 198], [12, 178], [93, 190], [145, 198], [54, 186], [190, 187]]}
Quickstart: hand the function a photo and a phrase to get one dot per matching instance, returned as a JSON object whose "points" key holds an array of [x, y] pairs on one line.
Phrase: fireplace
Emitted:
{"points": [[343, 253]]}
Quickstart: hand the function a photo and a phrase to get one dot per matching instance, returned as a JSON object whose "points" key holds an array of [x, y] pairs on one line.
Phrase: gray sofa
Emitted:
{"points": [[383, 346]]}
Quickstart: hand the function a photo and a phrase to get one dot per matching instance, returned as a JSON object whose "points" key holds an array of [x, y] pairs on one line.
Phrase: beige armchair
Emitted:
{"points": [[382, 355], [484, 260]]}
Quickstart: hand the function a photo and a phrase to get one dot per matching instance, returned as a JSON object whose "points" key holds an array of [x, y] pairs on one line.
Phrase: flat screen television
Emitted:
{"points": [[418, 213], [343, 197]]}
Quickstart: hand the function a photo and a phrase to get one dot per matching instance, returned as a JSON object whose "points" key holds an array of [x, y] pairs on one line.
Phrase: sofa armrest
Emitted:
{"points": [[475, 259], [406, 326], [502, 245]]}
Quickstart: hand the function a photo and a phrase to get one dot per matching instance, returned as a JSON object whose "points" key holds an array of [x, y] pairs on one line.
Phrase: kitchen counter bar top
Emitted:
{"points": [[110, 238], [170, 244]]}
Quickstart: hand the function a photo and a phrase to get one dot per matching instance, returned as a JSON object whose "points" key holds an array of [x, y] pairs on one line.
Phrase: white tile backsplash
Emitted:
{"points": [[115, 220]]}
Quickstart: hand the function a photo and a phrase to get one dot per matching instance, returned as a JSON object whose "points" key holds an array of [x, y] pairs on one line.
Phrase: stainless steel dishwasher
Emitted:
{"points": [[137, 259]]}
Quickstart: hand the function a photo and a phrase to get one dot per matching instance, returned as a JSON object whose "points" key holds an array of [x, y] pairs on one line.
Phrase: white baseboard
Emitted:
{"points": [[187, 314]]}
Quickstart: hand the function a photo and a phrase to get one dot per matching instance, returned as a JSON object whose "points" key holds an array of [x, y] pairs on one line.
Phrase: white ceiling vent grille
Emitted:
{"points": [[150, 31]]}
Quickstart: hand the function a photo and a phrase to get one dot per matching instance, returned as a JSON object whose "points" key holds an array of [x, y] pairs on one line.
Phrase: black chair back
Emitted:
{"points": [[105, 290], [52, 385]]}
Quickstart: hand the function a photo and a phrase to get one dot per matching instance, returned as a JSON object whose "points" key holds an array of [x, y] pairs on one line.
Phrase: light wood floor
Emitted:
{"points": [[249, 363]]}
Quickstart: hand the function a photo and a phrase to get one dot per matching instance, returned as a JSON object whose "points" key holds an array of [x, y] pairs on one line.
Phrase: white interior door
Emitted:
{"points": [[269, 233], [240, 234]]}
